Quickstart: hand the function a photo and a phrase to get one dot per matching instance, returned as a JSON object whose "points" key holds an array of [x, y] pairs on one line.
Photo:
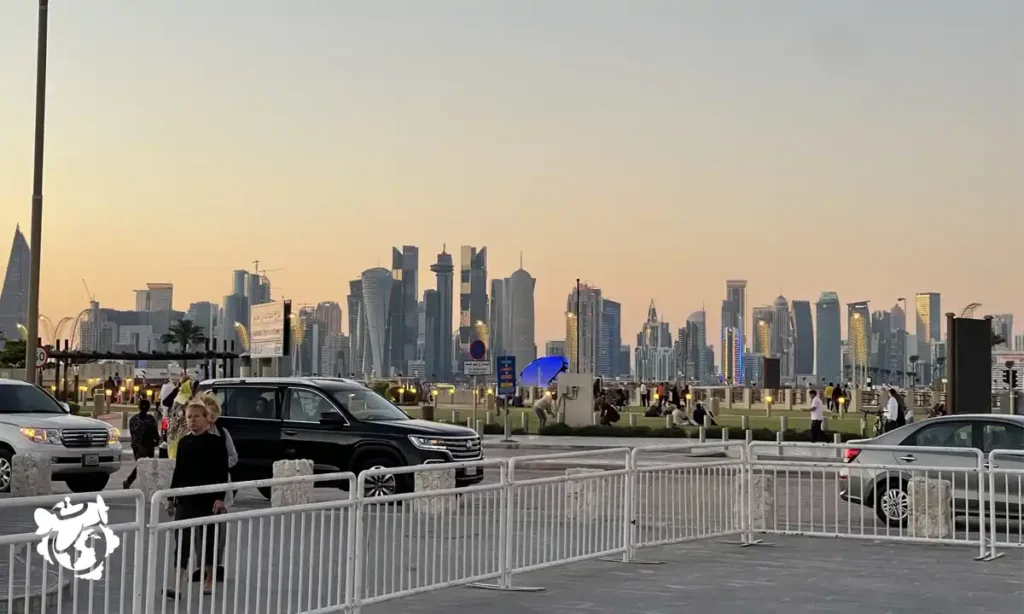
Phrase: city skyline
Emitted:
{"points": [[709, 114]]}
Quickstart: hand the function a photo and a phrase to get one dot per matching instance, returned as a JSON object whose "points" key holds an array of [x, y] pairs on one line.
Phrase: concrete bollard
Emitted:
{"points": [[748, 436], [702, 434], [124, 421], [930, 503], [779, 438], [783, 423], [593, 418], [292, 494], [762, 500], [725, 433], [455, 416], [99, 404], [707, 421], [488, 417], [480, 428], [469, 422], [524, 422], [838, 440], [632, 419], [582, 497], [668, 421], [30, 474], [745, 423], [427, 481], [153, 474]]}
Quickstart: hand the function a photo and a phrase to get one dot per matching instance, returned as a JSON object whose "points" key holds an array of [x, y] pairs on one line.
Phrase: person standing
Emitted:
{"points": [[643, 394], [213, 410], [167, 393], [828, 394], [894, 418], [145, 438], [817, 410]]}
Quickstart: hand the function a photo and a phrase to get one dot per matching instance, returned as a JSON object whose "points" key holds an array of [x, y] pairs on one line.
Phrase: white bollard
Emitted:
{"points": [[668, 421], [30, 475], [455, 416], [783, 423], [439, 480], [582, 497], [702, 434], [292, 494], [762, 500], [930, 503], [480, 428], [707, 421], [153, 474], [725, 433], [632, 419], [489, 420], [745, 422], [524, 422]]}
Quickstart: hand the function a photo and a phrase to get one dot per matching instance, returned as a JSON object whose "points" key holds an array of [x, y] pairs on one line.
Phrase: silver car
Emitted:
{"points": [[885, 490], [83, 452]]}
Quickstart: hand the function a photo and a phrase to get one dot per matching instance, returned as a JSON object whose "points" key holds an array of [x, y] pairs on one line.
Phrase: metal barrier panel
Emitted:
{"points": [[428, 540], [1006, 500], [279, 559], [581, 515], [675, 501], [824, 497], [74, 581]]}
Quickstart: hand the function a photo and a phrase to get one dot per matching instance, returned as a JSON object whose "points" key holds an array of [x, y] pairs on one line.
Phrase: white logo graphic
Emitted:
{"points": [[76, 537]]}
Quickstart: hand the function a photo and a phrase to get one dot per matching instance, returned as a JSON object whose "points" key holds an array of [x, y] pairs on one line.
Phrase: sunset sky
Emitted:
{"points": [[653, 148]]}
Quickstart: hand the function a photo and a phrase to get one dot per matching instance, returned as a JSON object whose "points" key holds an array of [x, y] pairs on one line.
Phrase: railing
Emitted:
{"points": [[349, 551]]}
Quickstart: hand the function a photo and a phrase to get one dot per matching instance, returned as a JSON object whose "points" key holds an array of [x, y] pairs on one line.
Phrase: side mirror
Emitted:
{"points": [[67, 408], [331, 418]]}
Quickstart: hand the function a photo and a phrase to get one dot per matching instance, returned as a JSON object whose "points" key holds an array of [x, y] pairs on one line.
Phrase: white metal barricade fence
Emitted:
{"points": [[278, 559], [115, 538], [814, 495], [1006, 500]]}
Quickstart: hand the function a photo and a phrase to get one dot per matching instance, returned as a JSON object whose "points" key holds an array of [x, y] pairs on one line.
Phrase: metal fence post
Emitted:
{"points": [[506, 520], [357, 551], [628, 536]]}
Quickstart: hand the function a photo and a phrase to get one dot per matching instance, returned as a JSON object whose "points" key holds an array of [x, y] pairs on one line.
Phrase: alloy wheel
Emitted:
{"points": [[5, 473], [380, 485], [895, 504]]}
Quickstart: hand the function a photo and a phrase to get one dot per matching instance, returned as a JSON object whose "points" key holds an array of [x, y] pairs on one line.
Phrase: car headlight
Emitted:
{"points": [[427, 443], [113, 436], [41, 435]]}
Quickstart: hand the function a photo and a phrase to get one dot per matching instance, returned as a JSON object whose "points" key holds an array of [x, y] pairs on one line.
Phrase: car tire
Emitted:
{"points": [[892, 502], [265, 491], [6, 475], [383, 485], [92, 482]]}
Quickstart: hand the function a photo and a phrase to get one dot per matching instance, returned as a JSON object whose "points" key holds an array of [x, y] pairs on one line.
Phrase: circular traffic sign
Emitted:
{"points": [[42, 355], [477, 349]]}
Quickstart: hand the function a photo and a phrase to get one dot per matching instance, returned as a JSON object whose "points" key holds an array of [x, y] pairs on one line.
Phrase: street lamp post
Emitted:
{"points": [[37, 197]]}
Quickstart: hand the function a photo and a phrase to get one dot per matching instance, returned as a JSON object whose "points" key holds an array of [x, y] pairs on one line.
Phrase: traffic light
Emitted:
{"points": [[1013, 379], [1006, 377]]}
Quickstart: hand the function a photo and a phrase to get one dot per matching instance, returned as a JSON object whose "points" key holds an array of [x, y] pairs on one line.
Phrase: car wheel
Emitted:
{"points": [[5, 470], [892, 503], [382, 485], [88, 483]]}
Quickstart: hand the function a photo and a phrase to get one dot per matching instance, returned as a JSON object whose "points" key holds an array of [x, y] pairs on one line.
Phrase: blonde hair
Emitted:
{"points": [[208, 401]]}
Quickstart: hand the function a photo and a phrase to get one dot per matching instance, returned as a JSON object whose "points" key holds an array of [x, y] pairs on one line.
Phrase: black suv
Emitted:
{"points": [[340, 425]]}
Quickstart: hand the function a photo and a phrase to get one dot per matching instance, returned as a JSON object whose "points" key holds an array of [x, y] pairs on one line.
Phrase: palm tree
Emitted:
{"points": [[186, 334]]}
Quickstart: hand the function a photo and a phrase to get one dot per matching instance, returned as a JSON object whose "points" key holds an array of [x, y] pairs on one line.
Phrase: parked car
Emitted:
{"points": [[83, 452], [338, 424], [886, 490]]}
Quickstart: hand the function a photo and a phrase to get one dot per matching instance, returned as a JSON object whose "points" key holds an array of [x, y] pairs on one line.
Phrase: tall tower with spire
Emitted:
{"points": [[444, 270], [14, 295]]}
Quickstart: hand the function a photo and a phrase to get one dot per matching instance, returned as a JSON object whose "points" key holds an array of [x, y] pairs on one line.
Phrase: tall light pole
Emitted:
{"points": [[37, 197]]}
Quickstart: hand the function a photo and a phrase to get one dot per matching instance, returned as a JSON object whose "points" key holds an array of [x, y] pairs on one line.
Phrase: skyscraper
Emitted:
{"points": [[880, 362], [858, 327], [472, 298], [589, 328], [238, 281], [156, 297], [732, 356], [405, 265], [803, 342], [782, 337], [377, 288], [929, 319], [697, 329], [898, 354], [829, 341], [444, 270], [328, 315], [1002, 326], [654, 349], [498, 319], [14, 295], [357, 333], [611, 340], [736, 293], [204, 314], [763, 331], [520, 340], [432, 346]]}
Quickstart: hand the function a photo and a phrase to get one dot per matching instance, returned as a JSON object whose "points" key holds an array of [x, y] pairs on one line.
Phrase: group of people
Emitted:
{"points": [[204, 455]]}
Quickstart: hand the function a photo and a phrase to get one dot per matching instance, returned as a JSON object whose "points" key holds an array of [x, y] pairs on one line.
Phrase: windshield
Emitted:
{"points": [[18, 399], [368, 405]]}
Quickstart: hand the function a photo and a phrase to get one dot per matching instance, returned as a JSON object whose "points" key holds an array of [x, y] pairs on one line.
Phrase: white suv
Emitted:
{"points": [[83, 452]]}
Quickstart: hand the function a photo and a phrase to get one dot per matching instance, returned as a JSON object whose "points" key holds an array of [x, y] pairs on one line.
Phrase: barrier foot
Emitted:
{"points": [[510, 589], [748, 542], [990, 557], [630, 562]]}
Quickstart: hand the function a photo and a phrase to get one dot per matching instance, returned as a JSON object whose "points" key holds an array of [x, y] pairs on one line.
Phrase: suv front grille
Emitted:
{"points": [[464, 449], [84, 438]]}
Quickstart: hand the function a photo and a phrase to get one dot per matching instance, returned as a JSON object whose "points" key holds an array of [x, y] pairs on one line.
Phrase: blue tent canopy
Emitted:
{"points": [[543, 371]]}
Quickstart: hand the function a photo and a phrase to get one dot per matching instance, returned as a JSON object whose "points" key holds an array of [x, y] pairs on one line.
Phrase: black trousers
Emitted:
{"points": [[138, 452], [817, 433], [187, 508]]}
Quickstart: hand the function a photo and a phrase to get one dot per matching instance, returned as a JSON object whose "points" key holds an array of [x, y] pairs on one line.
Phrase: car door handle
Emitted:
{"points": [[290, 432], [909, 458]]}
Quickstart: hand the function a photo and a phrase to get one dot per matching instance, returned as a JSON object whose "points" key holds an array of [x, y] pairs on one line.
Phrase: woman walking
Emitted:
{"points": [[202, 460], [213, 411]]}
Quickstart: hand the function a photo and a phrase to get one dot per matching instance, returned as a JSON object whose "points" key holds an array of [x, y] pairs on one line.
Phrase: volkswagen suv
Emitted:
{"points": [[338, 424], [83, 452]]}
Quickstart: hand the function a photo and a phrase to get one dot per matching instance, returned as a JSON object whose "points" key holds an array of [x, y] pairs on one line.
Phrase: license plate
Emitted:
{"points": [[90, 460], [471, 471]]}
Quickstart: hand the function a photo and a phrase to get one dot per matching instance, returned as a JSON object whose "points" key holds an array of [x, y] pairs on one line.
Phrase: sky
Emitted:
{"points": [[653, 148]]}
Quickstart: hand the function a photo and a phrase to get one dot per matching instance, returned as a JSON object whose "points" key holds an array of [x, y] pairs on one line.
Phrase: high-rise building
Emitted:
{"points": [[472, 298], [929, 330], [858, 327], [763, 331], [433, 357], [234, 310], [239, 278], [782, 338], [1018, 343], [697, 327], [519, 317], [1002, 327], [611, 340], [156, 297], [377, 288], [498, 319], [880, 362], [444, 270], [357, 334], [14, 295], [328, 315], [654, 350], [204, 314], [589, 326], [732, 356], [829, 340], [803, 339], [898, 352], [736, 293], [405, 266], [552, 348]]}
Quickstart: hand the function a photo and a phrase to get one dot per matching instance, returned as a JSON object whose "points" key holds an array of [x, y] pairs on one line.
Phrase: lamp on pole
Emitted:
{"points": [[37, 197]]}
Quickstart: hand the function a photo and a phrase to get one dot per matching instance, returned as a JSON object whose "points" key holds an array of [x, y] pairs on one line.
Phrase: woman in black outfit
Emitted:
{"points": [[202, 460]]}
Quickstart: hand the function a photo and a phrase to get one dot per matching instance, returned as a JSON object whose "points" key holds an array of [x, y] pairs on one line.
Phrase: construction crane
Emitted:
{"points": [[88, 293], [262, 272]]}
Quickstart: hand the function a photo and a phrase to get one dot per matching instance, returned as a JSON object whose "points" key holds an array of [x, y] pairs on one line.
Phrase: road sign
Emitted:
{"points": [[42, 355], [506, 375], [477, 367], [477, 350]]}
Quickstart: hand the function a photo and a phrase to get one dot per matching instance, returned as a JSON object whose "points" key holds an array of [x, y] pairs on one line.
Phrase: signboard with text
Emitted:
{"points": [[267, 325], [477, 367], [506, 375]]}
